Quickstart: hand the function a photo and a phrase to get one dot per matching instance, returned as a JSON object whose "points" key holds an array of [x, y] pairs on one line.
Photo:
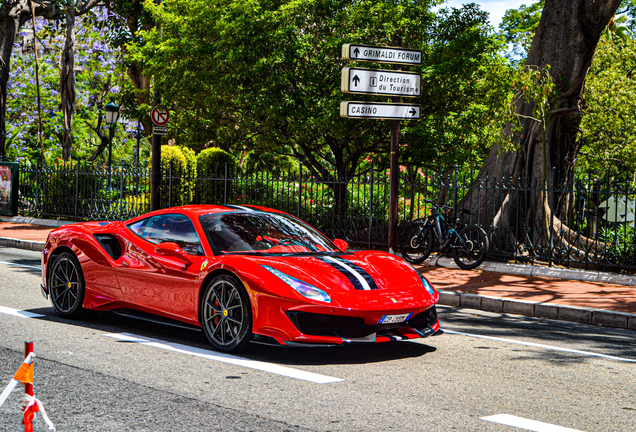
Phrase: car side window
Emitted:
{"points": [[169, 228]]}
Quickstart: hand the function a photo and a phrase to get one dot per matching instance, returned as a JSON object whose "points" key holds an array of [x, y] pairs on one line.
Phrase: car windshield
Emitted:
{"points": [[263, 233]]}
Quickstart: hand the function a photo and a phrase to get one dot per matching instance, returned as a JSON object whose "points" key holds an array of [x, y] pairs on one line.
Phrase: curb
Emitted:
{"points": [[538, 271], [553, 311], [35, 221], [22, 244]]}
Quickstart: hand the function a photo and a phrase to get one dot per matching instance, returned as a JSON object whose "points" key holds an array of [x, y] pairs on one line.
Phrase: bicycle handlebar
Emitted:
{"points": [[441, 206]]}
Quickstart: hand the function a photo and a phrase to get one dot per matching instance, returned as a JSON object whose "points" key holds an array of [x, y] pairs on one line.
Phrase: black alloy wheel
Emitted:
{"points": [[417, 243], [66, 286], [470, 247], [226, 314]]}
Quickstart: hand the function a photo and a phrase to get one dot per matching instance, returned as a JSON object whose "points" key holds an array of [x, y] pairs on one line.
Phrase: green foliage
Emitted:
{"points": [[264, 75], [266, 161], [213, 160], [535, 86], [608, 123], [518, 27], [178, 167], [466, 85], [620, 247]]}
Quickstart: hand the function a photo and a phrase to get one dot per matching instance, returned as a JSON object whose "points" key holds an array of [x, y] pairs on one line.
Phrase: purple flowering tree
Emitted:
{"points": [[13, 14]]}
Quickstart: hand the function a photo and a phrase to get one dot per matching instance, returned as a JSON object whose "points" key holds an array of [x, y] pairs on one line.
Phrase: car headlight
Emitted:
{"points": [[425, 282], [303, 288]]}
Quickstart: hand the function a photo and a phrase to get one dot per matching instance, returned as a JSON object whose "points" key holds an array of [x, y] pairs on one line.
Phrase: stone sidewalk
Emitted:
{"points": [[545, 292]]}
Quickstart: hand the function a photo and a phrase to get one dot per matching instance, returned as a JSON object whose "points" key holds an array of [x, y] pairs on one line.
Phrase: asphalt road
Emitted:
{"points": [[114, 373]]}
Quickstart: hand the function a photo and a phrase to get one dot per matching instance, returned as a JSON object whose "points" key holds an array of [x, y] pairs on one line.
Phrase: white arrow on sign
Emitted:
{"points": [[380, 82], [379, 110], [378, 54]]}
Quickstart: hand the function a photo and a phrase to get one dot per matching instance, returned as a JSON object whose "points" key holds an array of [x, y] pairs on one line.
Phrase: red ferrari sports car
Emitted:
{"points": [[242, 273]]}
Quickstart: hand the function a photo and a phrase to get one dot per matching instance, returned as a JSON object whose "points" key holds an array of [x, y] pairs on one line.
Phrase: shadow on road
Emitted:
{"points": [[349, 354]]}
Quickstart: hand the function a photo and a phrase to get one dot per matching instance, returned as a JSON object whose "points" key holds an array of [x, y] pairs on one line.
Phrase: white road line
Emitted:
{"points": [[226, 358], [549, 347], [20, 265], [522, 423], [19, 313]]}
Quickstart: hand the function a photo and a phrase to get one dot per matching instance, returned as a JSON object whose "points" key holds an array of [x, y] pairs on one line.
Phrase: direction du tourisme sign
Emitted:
{"points": [[381, 82]]}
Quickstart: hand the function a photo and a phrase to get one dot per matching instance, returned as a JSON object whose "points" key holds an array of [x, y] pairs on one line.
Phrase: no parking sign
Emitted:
{"points": [[160, 117]]}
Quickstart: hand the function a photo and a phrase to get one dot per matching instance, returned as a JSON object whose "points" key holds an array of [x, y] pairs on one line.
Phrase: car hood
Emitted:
{"points": [[365, 279]]}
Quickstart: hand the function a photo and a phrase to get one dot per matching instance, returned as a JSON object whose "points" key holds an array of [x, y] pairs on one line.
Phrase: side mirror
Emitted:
{"points": [[172, 249], [341, 244]]}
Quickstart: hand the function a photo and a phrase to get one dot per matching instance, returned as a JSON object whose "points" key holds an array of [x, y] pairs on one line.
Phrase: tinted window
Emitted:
{"points": [[169, 228], [262, 232]]}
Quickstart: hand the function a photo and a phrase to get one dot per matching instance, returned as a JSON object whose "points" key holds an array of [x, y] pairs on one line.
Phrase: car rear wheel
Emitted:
{"points": [[66, 286], [226, 314]]}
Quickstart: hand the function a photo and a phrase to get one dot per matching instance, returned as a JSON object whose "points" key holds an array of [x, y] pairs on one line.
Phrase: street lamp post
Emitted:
{"points": [[112, 115]]}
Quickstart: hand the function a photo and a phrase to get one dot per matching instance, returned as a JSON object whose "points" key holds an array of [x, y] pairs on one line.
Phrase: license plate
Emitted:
{"points": [[392, 319]]}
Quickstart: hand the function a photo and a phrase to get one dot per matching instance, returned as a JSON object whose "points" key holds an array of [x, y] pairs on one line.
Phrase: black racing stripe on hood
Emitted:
{"points": [[367, 277], [354, 280]]}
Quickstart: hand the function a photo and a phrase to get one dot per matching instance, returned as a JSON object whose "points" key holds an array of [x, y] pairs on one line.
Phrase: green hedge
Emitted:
{"points": [[178, 167]]}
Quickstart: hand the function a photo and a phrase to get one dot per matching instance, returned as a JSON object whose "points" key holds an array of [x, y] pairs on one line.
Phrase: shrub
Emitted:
{"points": [[211, 186], [257, 161], [211, 162], [178, 172]]}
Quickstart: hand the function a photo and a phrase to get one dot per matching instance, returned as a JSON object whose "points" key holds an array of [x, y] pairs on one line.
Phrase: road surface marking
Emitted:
{"points": [[20, 265], [226, 358], [522, 423], [549, 347], [19, 313]]}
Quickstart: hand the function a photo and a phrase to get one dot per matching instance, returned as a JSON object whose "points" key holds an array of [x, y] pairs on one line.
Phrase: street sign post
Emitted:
{"points": [[160, 116], [383, 82], [379, 110], [380, 82], [377, 54]]}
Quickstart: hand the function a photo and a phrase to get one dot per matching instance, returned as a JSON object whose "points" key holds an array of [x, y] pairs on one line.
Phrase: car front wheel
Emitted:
{"points": [[226, 314], [66, 286]]}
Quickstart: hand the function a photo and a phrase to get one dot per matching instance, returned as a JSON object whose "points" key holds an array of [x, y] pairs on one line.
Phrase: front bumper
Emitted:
{"points": [[354, 329], [325, 327]]}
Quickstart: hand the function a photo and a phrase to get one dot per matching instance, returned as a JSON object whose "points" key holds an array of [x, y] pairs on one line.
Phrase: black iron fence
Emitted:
{"points": [[590, 223]]}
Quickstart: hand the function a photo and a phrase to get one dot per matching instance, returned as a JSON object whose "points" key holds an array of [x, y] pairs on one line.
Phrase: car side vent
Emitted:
{"points": [[110, 245]]}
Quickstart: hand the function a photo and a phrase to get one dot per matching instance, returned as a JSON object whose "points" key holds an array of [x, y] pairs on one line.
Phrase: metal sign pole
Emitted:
{"points": [[155, 166], [155, 161], [395, 170]]}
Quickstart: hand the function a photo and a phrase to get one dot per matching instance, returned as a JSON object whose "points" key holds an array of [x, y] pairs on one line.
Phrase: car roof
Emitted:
{"points": [[194, 211]]}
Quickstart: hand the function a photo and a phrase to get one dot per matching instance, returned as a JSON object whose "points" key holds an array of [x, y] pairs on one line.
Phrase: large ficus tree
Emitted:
{"points": [[547, 141], [13, 14]]}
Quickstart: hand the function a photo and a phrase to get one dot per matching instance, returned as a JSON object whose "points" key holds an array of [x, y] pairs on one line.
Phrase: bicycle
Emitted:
{"points": [[468, 244]]}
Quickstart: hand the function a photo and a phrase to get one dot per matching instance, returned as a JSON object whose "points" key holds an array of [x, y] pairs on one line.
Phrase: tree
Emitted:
{"points": [[608, 125], [518, 26], [128, 19], [565, 41], [13, 14], [266, 74]]}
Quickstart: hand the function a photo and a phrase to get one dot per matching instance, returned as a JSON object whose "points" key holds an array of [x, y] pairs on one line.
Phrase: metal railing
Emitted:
{"points": [[591, 225]]}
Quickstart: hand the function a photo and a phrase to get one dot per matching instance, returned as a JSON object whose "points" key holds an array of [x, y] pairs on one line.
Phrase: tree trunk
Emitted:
{"points": [[67, 80], [12, 16], [565, 40]]}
